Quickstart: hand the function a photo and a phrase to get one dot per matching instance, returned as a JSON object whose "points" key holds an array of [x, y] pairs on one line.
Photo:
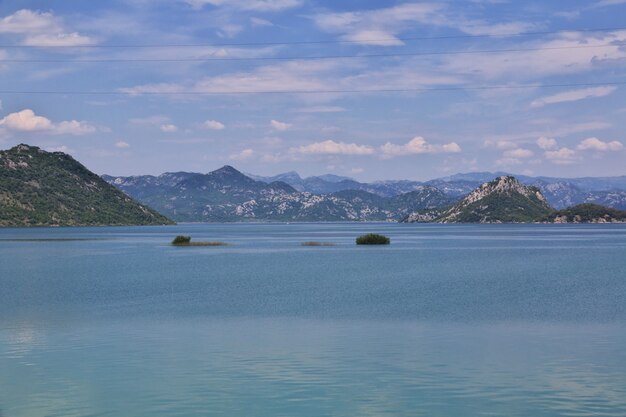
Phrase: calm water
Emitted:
{"points": [[525, 320]]}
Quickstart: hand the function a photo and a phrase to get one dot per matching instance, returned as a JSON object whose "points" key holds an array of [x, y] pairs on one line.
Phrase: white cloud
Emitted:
{"points": [[280, 126], [244, 154], [562, 156], [499, 144], [330, 147], [381, 26], [169, 128], [418, 145], [122, 145], [373, 37], [150, 120], [41, 28], [214, 125], [73, 127], [367, 26], [518, 153], [606, 3], [570, 53], [27, 121], [546, 143], [307, 76], [249, 5], [595, 144], [257, 21], [574, 95]]}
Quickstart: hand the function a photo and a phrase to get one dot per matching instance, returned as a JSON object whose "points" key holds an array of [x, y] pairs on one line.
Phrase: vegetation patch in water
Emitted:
{"points": [[186, 241], [318, 244], [373, 239]]}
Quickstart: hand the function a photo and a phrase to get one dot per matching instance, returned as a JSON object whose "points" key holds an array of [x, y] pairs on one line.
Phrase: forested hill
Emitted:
{"points": [[39, 188]]}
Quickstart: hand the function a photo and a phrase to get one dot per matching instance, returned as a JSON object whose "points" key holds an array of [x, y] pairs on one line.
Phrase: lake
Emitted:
{"points": [[448, 320]]}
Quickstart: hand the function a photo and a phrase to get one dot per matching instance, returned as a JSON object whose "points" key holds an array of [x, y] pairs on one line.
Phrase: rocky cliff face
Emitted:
{"points": [[39, 188]]}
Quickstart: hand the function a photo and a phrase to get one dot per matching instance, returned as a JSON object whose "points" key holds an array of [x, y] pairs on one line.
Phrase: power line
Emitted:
{"points": [[354, 91], [97, 60], [333, 41]]}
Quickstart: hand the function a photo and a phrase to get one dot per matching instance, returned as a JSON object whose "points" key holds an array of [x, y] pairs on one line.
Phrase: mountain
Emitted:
{"points": [[229, 195], [503, 200], [39, 188], [587, 213]]}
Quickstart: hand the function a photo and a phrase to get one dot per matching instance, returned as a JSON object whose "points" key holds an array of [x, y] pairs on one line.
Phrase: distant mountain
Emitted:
{"points": [[587, 213], [39, 188], [229, 195], [560, 192], [503, 200]]}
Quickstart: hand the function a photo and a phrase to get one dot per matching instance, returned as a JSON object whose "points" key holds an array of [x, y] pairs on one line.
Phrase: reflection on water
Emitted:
{"points": [[288, 367], [447, 321]]}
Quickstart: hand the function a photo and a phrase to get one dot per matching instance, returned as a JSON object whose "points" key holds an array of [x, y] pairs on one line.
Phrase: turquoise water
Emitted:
{"points": [[491, 320]]}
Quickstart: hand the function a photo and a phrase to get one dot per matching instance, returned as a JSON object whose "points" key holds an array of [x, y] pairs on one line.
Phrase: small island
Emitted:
{"points": [[373, 239], [186, 241]]}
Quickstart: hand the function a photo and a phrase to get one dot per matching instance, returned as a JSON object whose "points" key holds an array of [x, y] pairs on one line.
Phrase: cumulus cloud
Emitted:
{"points": [[27, 121], [562, 156], [330, 147], [168, 128], [546, 143], [595, 144], [214, 125], [417, 145], [574, 95], [122, 145], [280, 126]]}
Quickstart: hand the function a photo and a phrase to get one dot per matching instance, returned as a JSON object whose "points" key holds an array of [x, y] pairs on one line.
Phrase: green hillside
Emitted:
{"points": [[39, 188]]}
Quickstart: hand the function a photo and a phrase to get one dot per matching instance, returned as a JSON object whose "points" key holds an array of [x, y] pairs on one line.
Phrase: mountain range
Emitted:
{"points": [[229, 195], [559, 192], [39, 188]]}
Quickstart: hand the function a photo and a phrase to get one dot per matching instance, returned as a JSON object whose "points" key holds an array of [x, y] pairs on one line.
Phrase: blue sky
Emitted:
{"points": [[369, 89]]}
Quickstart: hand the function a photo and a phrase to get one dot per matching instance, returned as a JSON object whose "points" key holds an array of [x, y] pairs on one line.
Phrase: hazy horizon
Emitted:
{"points": [[411, 90]]}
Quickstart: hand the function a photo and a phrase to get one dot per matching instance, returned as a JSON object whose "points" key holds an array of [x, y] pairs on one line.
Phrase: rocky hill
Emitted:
{"points": [[229, 195], [503, 200], [39, 188]]}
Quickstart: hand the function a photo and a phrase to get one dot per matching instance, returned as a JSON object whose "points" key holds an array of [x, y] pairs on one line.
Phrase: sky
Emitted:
{"points": [[373, 90]]}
